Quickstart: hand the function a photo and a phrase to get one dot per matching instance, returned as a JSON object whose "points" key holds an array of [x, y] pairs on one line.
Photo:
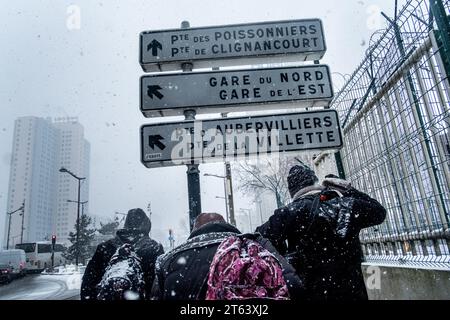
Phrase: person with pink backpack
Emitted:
{"points": [[217, 262]]}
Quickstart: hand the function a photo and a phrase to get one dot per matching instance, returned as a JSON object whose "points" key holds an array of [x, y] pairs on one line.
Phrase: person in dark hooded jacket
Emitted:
{"points": [[319, 233], [136, 233], [182, 274]]}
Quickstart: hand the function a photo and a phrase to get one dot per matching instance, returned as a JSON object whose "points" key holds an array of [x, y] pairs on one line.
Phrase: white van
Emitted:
{"points": [[39, 255], [16, 259]]}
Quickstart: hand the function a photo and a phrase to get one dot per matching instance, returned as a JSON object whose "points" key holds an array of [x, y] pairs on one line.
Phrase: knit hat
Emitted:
{"points": [[300, 176], [205, 218]]}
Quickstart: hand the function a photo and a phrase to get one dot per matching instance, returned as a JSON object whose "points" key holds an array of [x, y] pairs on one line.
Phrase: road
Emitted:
{"points": [[42, 287]]}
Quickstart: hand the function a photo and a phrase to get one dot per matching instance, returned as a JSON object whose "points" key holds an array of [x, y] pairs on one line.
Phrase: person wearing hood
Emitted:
{"points": [[182, 273], [135, 233], [319, 233]]}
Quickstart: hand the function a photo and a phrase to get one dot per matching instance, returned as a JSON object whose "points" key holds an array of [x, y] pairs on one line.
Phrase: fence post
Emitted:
{"points": [[442, 32]]}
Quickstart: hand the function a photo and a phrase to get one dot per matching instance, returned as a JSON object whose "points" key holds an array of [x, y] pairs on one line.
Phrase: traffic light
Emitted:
{"points": [[53, 239]]}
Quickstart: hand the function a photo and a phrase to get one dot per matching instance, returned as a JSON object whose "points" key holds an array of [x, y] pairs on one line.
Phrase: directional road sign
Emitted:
{"points": [[237, 90], [186, 142], [239, 44]]}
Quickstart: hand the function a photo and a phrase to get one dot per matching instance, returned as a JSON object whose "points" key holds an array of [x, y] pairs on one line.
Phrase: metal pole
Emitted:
{"points": [[23, 217], [193, 178], [339, 165], [260, 210], [225, 115], [9, 225], [248, 213], [53, 256], [229, 195], [149, 208], [78, 226], [227, 208], [9, 230], [442, 21], [193, 173]]}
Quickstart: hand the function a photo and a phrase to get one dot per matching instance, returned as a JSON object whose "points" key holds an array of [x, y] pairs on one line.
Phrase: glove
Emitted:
{"points": [[334, 182]]}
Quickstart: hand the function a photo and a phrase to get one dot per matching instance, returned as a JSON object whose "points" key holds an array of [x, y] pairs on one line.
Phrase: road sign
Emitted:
{"points": [[186, 142], [236, 90], [220, 46]]}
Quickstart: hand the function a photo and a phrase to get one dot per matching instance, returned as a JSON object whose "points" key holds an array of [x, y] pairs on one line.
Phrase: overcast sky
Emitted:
{"points": [[49, 67]]}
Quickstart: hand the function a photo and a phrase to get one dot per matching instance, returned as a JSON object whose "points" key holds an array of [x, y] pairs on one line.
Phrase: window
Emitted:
{"points": [[44, 248], [27, 247]]}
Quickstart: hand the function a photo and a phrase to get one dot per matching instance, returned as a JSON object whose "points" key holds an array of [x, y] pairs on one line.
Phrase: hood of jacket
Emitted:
{"points": [[137, 220], [214, 227]]}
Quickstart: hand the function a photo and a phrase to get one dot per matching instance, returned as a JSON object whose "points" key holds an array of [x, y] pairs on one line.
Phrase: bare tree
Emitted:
{"points": [[268, 173]]}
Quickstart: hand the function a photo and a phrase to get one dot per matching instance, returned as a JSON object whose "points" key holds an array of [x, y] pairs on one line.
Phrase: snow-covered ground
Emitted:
{"points": [[61, 284], [65, 270]]}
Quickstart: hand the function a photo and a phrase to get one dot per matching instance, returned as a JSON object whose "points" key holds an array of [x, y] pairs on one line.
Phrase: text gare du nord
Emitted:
{"points": [[249, 40], [309, 130], [310, 85]]}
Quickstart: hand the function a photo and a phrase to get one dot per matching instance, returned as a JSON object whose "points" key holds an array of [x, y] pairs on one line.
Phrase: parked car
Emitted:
{"points": [[6, 275], [16, 259]]}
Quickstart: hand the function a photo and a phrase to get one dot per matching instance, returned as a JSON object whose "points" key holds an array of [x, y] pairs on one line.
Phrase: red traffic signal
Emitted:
{"points": [[53, 239]]}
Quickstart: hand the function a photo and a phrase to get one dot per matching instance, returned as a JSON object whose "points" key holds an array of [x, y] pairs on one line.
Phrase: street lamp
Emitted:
{"points": [[224, 190], [82, 205], [228, 198], [226, 205], [22, 228], [249, 214], [64, 170], [258, 202], [9, 225]]}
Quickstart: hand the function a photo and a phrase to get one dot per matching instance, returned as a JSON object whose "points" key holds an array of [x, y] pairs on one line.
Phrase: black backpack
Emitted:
{"points": [[330, 211], [123, 277]]}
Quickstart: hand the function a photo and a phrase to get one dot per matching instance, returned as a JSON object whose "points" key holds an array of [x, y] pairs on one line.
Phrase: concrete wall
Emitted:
{"points": [[398, 283]]}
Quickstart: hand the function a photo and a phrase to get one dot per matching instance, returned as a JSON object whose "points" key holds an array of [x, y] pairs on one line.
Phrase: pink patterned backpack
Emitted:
{"points": [[243, 269]]}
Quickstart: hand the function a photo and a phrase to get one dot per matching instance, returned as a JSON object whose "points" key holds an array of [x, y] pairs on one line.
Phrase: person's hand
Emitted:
{"points": [[334, 182]]}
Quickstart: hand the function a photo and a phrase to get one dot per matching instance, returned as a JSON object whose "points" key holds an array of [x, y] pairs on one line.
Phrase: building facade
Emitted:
{"points": [[40, 148]]}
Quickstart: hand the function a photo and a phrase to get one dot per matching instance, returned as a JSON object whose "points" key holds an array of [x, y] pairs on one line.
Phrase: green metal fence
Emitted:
{"points": [[395, 117]]}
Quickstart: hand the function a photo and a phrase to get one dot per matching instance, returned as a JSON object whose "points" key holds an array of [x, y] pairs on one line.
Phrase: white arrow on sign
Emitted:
{"points": [[220, 46], [243, 90], [178, 143]]}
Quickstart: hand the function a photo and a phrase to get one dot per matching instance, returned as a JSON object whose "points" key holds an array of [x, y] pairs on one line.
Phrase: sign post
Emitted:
{"points": [[212, 140], [188, 93], [53, 251], [193, 172], [236, 90], [229, 195], [231, 45]]}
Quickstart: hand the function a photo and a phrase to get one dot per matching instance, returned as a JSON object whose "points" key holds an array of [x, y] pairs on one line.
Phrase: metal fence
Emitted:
{"points": [[394, 111]]}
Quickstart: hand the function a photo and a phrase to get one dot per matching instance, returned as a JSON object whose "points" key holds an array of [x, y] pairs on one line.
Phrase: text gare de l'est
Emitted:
{"points": [[310, 85]]}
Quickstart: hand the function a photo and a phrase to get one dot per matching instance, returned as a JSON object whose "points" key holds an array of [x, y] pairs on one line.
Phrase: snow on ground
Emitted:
{"points": [[72, 281], [42, 287], [67, 274], [65, 270]]}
